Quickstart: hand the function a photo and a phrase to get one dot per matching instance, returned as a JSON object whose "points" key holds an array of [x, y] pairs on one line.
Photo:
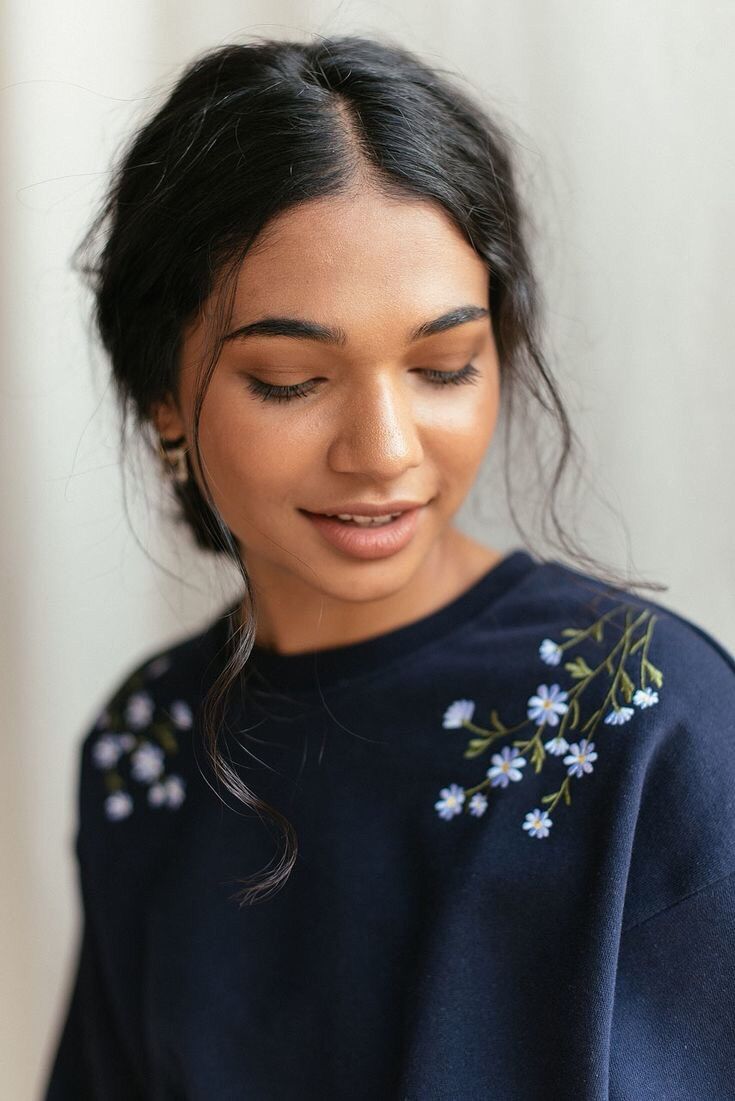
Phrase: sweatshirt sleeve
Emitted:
{"points": [[90, 1062], [673, 1030]]}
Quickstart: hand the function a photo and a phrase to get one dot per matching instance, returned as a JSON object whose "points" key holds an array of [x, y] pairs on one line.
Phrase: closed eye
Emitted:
{"points": [[268, 392]]}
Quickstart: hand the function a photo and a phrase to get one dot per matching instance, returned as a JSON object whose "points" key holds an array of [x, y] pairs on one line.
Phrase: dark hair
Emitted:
{"points": [[277, 124]]}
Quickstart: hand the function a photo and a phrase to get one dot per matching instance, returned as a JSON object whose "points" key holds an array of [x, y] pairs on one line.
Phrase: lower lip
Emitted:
{"points": [[374, 542]]}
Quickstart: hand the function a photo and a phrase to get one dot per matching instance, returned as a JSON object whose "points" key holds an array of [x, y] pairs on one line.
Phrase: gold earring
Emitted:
{"points": [[173, 453]]}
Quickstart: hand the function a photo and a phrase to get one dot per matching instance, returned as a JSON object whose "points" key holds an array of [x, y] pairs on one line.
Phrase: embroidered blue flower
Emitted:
{"points": [[645, 697], [477, 804], [139, 710], [547, 705], [580, 758], [157, 667], [556, 746], [181, 714], [506, 766], [550, 651], [147, 762], [171, 792], [458, 713], [450, 801], [118, 805], [619, 715], [107, 750], [537, 823]]}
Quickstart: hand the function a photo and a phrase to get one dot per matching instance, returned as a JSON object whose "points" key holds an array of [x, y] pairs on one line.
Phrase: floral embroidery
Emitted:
{"points": [[537, 823], [450, 801], [626, 660], [136, 739], [550, 652], [506, 766], [547, 705]]}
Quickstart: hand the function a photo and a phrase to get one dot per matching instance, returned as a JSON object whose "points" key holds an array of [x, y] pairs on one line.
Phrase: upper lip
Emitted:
{"points": [[361, 508]]}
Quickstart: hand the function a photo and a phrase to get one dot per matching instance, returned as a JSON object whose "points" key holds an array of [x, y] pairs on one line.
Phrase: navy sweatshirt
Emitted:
{"points": [[515, 876]]}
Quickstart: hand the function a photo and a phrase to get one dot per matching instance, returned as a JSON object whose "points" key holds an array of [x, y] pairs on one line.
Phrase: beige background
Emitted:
{"points": [[625, 116]]}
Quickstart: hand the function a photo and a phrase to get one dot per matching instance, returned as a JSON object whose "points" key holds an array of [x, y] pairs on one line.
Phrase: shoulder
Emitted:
{"points": [[666, 695], [692, 655], [135, 760]]}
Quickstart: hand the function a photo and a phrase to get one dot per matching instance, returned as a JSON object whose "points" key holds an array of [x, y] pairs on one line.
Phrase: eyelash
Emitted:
{"points": [[267, 392]]}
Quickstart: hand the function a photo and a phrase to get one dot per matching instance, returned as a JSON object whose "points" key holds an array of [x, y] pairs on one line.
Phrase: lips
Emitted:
{"points": [[367, 542], [362, 508]]}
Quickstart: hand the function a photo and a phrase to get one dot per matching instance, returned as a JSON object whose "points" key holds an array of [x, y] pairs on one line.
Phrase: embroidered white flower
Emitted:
{"points": [[139, 710], [147, 762], [170, 792], [556, 746], [547, 705], [450, 801], [550, 651], [181, 714], [118, 805], [645, 697], [537, 823], [457, 713], [619, 715], [506, 766], [580, 758], [106, 751], [477, 804]]}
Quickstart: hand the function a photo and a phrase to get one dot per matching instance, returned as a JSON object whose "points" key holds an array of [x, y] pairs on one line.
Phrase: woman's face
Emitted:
{"points": [[372, 426]]}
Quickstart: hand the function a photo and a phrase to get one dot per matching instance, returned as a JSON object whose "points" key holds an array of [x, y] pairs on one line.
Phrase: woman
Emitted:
{"points": [[502, 787]]}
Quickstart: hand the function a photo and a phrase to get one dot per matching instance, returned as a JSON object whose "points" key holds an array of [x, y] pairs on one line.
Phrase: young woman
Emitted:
{"points": [[414, 818]]}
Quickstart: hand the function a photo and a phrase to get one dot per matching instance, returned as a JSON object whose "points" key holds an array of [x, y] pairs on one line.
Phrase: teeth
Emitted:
{"points": [[365, 521]]}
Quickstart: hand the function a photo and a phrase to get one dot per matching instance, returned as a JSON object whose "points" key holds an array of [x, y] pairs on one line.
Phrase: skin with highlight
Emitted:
{"points": [[372, 425]]}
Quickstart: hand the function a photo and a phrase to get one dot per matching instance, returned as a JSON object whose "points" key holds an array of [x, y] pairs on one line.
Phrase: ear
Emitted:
{"points": [[167, 419]]}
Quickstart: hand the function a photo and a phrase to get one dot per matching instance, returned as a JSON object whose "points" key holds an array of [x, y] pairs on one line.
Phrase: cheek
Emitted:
{"points": [[248, 462], [461, 432]]}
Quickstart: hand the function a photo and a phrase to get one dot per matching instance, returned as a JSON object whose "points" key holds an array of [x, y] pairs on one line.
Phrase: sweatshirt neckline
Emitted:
{"points": [[314, 670], [320, 668]]}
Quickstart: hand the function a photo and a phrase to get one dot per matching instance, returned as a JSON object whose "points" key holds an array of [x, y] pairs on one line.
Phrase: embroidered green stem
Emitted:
{"points": [[577, 636], [555, 796], [538, 753], [646, 666]]}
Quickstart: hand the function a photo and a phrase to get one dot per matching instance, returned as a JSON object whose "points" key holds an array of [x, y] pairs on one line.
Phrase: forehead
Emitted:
{"points": [[360, 260]]}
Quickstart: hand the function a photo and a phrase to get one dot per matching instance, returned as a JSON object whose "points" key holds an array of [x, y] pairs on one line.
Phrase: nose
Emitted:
{"points": [[377, 433]]}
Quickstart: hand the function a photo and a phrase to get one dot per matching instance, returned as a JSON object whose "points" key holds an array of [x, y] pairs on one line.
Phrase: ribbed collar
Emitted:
{"points": [[299, 672]]}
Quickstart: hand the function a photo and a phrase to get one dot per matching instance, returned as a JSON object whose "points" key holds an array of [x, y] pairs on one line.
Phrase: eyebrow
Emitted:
{"points": [[302, 329]]}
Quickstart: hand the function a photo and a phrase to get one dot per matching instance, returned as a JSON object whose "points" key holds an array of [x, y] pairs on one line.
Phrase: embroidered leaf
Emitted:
{"points": [[476, 747], [538, 755], [573, 713], [496, 723], [626, 685], [567, 796], [655, 674], [570, 632], [165, 738], [597, 631], [578, 668]]}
